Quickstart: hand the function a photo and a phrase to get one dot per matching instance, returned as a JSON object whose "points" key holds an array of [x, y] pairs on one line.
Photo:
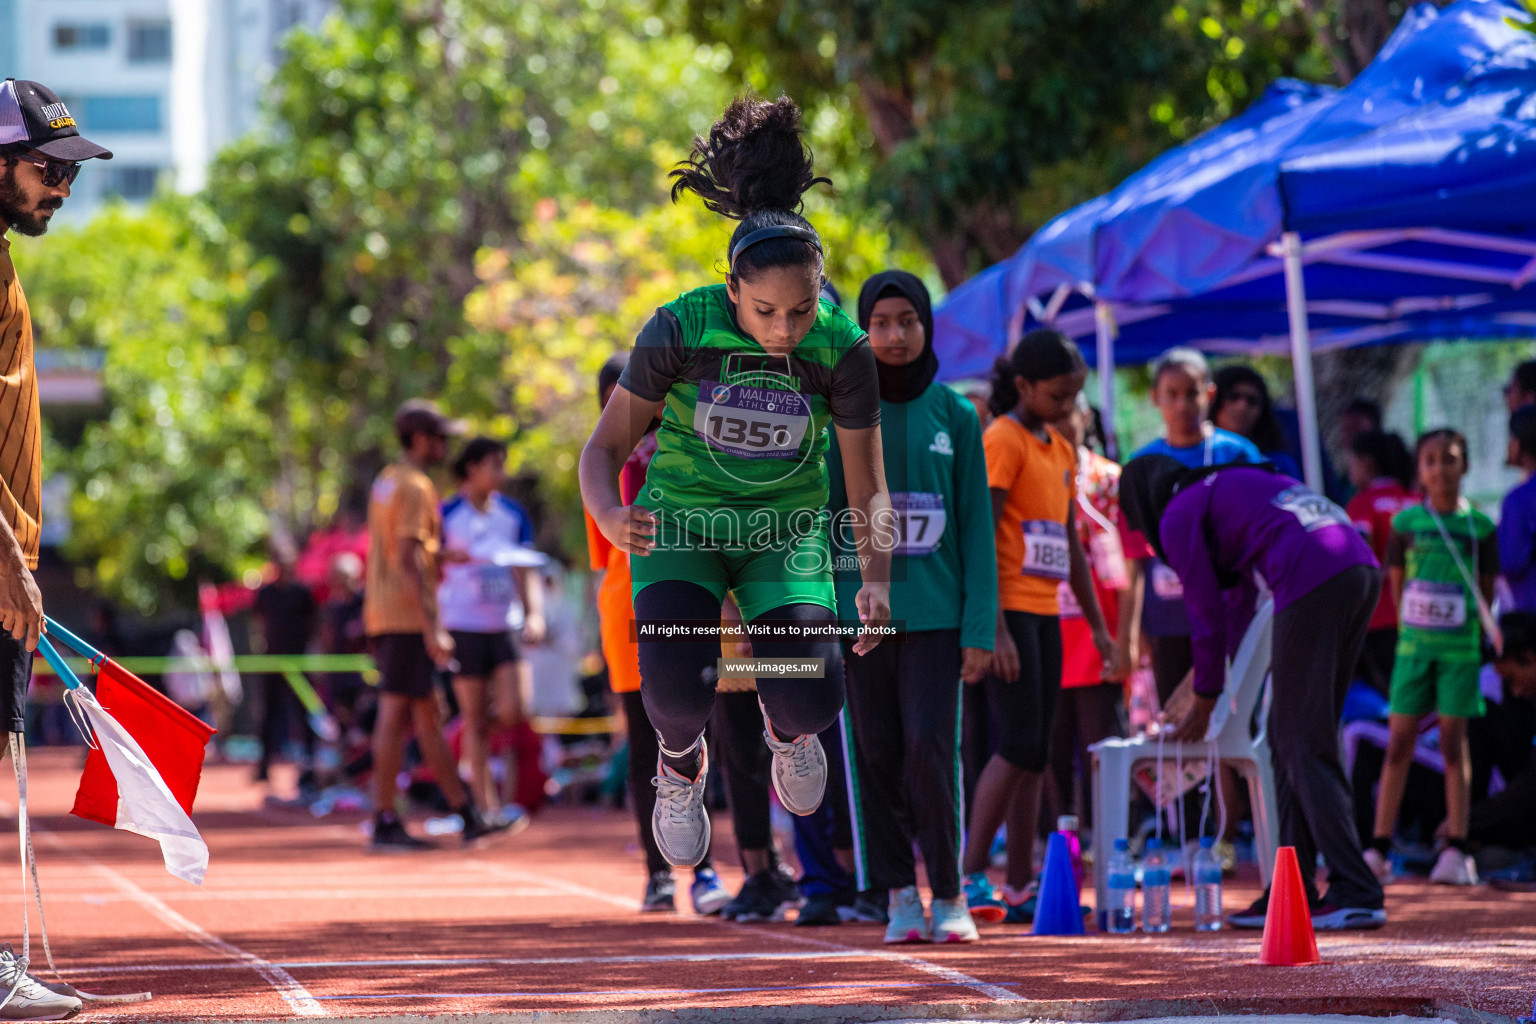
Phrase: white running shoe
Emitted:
{"points": [[952, 921], [799, 770], [680, 821], [1380, 865], [908, 922], [30, 1000], [1454, 868]]}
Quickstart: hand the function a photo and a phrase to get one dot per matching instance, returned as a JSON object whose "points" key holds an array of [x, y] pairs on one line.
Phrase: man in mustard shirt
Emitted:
{"points": [[40, 154]]}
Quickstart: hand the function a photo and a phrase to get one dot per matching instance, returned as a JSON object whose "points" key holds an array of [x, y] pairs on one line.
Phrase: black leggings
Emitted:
{"points": [[677, 677], [1025, 709], [742, 754], [903, 699], [642, 766]]}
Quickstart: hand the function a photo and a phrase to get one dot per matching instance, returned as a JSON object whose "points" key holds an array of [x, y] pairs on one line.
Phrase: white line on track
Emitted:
{"points": [[295, 995], [478, 961], [949, 974], [354, 895]]}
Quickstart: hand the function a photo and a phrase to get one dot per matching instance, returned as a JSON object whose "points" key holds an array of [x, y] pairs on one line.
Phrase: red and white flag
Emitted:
{"points": [[143, 773]]}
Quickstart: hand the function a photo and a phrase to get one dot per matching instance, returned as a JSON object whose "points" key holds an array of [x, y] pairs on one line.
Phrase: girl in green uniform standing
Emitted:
{"points": [[746, 377], [903, 721]]}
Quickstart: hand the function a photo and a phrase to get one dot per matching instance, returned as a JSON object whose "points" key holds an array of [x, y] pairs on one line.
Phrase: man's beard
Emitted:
{"points": [[26, 222]]}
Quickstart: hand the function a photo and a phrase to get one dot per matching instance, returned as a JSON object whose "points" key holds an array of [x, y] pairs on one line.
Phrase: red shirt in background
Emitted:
{"points": [[1371, 511], [1098, 484]]}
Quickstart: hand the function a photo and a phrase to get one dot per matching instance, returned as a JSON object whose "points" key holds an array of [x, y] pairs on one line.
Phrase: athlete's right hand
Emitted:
{"points": [[874, 604], [629, 528], [1005, 656], [21, 606], [439, 646]]}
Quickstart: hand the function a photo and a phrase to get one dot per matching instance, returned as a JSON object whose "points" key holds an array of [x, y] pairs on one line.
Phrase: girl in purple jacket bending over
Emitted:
{"points": [[1216, 527]]}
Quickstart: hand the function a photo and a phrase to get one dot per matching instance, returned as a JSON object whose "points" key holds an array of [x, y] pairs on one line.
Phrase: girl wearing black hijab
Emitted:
{"points": [[904, 696]]}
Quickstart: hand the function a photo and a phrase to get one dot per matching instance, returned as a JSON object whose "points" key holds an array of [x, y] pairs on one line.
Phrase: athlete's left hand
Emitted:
{"points": [[534, 628], [1196, 720], [975, 663], [874, 604], [1116, 665]]}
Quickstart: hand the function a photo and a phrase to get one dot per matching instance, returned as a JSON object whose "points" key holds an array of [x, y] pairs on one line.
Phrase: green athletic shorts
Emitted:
{"points": [[795, 570], [1422, 685]]}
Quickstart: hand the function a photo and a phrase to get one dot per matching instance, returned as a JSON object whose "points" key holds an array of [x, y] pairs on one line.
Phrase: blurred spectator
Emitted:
{"points": [[1358, 416], [1517, 516], [287, 614], [341, 632], [1243, 407], [347, 533], [1521, 389], [1380, 470]]}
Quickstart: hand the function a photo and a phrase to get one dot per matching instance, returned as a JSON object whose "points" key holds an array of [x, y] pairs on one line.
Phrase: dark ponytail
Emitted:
{"points": [[754, 167], [1039, 355]]}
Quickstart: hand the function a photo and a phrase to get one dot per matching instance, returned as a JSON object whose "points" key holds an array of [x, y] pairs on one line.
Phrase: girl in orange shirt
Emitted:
{"points": [[1032, 474]]}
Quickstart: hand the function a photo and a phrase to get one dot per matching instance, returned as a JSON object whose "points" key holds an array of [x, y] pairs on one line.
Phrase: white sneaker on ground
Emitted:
{"points": [[1380, 865], [952, 921], [908, 922], [680, 821], [30, 1000], [1453, 867], [799, 770]]}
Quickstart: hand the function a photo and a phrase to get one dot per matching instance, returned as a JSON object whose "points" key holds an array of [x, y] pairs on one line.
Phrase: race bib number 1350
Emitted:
{"points": [[751, 422]]}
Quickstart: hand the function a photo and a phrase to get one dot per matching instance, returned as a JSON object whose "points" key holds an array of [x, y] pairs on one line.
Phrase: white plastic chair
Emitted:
{"points": [[1114, 760]]}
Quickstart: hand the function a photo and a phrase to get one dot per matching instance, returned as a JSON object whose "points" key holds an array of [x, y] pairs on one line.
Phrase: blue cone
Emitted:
{"points": [[1057, 911]]}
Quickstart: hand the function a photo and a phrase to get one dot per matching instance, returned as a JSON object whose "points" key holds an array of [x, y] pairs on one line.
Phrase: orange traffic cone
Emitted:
{"points": [[1288, 937]]}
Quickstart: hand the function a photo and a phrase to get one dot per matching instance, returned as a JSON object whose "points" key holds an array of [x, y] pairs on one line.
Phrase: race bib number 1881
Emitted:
{"points": [[1045, 550]]}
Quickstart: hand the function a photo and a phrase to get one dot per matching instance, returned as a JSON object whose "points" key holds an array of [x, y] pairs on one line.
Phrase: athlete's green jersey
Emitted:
{"points": [[741, 451], [1438, 619], [944, 566]]}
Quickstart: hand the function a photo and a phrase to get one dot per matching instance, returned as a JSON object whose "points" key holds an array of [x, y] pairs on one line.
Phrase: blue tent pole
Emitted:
{"points": [[1301, 361]]}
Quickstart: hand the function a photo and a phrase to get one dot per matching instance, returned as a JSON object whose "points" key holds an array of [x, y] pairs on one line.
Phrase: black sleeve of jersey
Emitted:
{"points": [[1488, 555], [657, 360], [855, 397]]}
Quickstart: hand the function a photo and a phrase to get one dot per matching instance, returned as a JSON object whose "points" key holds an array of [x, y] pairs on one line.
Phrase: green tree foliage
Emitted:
{"points": [[464, 200], [970, 106], [173, 484]]}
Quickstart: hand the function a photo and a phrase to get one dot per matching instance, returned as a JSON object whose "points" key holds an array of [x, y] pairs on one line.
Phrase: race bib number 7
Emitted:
{"points": [[921, 518], [751, 422], [1045, 550]]}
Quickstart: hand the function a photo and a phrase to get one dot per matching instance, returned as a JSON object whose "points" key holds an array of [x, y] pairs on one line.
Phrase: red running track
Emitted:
{"points": [[296, 920]]}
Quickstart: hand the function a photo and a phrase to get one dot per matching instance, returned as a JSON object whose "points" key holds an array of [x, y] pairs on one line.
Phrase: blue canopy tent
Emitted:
{"points": [[1399, 208]]}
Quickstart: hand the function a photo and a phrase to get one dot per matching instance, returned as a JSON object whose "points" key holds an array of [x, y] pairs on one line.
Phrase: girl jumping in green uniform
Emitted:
{"points": [[746, 377]]}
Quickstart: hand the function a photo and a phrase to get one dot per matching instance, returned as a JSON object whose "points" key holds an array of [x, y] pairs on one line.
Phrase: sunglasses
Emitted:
{"points": [[55, 173]]}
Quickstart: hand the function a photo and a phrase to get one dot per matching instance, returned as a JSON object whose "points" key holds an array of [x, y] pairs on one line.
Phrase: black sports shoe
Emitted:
{"points": [[477, 828], [660, 894], [821, 909], [390, 836], [869, 907], [762, 897], [1329, 917], [1254, 916]]}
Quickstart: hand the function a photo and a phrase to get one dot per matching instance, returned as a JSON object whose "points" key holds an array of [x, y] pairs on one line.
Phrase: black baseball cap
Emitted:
{"points": [[423, 416], [33, 114]]}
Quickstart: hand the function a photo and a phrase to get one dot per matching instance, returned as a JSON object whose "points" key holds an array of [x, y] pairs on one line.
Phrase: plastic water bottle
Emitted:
{"points": [[1206, 872], [1156, 889], [1121, 916], [1067, 826]]}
